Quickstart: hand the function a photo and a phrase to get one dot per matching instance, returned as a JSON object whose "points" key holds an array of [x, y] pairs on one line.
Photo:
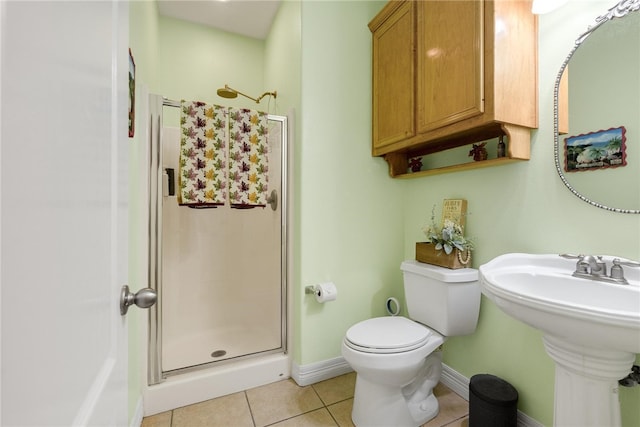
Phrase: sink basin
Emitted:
{"points": [[540, 291], [591, 329]]}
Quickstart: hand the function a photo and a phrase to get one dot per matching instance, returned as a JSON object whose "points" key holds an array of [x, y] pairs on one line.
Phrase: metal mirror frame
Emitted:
{"points": [[618, 11]]}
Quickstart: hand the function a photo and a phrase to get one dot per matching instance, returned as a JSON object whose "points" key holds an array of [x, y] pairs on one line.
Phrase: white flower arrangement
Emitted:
{"points": [[449, 237]]}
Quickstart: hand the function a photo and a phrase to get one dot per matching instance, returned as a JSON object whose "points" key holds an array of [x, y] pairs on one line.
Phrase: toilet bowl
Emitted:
{"points": [[397, 366], [397, 359]]}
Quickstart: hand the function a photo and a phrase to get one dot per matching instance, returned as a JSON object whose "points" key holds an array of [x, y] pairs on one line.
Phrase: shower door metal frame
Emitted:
{"points": [[155, 375]]}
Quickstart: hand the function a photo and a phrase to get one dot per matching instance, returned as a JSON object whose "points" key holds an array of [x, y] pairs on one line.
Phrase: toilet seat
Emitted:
{"points": [[384, 335]]}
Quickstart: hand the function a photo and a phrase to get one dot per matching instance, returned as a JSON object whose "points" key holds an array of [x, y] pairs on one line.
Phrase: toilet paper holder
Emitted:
{"points": [[323, 292], [311, 289]]}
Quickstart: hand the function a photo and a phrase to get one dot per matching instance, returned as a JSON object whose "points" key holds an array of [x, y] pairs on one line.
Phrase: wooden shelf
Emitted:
{"points": [[461, 167], [518, 149]]}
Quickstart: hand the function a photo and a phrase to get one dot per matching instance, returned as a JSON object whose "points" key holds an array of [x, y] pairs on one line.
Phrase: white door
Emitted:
{"points": [[63, 177]]}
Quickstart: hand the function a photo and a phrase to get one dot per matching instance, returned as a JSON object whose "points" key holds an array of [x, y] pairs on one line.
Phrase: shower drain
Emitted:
{"points": [[218, 353]]}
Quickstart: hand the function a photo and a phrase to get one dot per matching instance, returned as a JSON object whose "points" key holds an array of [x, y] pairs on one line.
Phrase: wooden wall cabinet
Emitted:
{"points": [[394, 75], [452, 73]]}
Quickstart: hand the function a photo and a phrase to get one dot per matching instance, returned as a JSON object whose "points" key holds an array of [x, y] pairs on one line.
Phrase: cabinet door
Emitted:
{"points": [[450, 85], [393, 77]]}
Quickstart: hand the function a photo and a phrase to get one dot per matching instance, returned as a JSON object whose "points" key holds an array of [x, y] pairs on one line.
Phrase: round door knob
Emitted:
{"points": [[144, 298]]}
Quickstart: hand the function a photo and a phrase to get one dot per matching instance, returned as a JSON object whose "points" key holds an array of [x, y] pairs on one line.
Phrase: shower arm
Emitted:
{"points": [[246, 96], [257, 100], [274, 94]]}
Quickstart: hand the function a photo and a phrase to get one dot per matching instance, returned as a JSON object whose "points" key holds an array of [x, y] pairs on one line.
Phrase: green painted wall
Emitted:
{"points": [[282, 52], [195, 60], [353, 225], [350, 212], [283, 73]]}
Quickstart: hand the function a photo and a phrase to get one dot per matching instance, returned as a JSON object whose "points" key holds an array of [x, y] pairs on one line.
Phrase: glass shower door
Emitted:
{"points": [[222, 269]]}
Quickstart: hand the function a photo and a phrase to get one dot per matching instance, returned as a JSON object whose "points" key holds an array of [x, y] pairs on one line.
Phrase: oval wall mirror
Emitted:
{"points": [[597, 112]]}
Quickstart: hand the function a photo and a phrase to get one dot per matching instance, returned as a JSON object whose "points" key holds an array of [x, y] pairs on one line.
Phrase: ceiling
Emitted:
{"points": [[250, 18]]}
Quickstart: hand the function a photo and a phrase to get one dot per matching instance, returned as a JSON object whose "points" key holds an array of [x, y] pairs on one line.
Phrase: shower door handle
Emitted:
{"points": [[144, 298], [272, 200]]}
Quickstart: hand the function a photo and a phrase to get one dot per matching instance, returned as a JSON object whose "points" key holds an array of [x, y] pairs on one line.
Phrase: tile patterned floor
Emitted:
{"points": [[285, 404]]}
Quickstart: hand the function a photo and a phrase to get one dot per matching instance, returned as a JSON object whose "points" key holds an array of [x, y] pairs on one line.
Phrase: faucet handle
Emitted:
{"points": [[582, 267], [571, 256], [617, 272], [618, 261]]}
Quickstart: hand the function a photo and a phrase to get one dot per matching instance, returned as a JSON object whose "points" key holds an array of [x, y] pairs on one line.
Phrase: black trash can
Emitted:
{"points": [[493, 402]]}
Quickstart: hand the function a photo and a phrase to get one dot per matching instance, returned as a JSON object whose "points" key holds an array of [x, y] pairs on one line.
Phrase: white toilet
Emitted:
{"points": [[396, 359]]}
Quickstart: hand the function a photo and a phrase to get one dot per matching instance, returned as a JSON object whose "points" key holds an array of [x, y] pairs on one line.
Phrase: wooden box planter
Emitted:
{"points": [[427, 253]]}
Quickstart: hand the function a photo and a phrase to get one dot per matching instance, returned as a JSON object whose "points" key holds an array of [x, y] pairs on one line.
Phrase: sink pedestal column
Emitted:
{"points": [[586, 384]]}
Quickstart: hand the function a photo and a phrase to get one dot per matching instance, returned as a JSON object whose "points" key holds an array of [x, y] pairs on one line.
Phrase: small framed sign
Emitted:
{"points": [[454, 210], [596, 150]]}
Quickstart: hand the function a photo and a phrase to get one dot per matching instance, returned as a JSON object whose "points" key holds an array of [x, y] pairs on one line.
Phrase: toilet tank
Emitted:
{"points": [[441, 298]]}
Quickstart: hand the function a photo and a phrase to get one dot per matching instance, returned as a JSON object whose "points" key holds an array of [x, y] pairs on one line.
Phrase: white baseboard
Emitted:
{"points": [[457, 382], [525, 420], [315, 372], [319, 371]]}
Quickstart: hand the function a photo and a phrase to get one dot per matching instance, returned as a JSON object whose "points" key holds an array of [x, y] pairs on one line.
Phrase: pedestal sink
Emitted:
{"points": [[591, 328]]}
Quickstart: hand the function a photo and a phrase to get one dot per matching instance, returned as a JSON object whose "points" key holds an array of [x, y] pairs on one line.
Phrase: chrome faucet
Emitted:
{"points": [[595, 268], [590, 265]]}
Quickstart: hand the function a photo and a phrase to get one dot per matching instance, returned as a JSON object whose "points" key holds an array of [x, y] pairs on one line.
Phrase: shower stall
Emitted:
{"points": [[220, 324]]}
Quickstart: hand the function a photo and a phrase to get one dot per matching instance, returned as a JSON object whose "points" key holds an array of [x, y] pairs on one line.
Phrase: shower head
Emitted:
{"points": [[227, 92]]}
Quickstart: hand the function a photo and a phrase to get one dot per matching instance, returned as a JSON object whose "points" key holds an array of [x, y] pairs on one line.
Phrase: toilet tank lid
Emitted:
{"points": [[440, 273]]}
